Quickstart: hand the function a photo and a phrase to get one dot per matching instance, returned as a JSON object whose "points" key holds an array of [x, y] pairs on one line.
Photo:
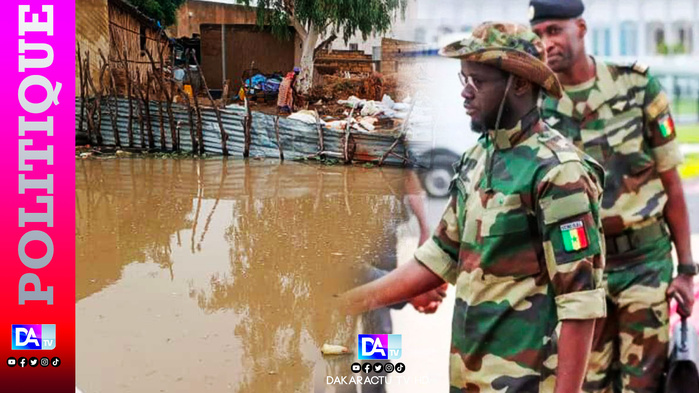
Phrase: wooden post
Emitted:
{"points": [[224, 135], [247, 126], [346, 155], [146, 104], [321, 141], [170, 98], [163, 142], [200, 134], [114, 113], [160, 77], [139, 93], [191, 119], [82, 91], [279, 143], [96, 103], [129, 126], [390, 149]]}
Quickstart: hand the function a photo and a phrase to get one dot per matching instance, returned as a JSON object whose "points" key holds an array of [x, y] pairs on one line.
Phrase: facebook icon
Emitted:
{"points": [[379, 346]]}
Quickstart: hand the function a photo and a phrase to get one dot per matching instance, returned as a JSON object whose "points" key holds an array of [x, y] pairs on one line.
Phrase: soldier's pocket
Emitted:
{"points": [[508, 245]]}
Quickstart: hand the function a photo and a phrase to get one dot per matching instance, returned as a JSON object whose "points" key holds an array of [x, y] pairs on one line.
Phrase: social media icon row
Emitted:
{"points": [[378, 367], [33, 362]]}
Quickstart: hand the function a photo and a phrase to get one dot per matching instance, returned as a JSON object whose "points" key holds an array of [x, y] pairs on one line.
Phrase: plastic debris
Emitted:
{"points": [[306, 116], [330, 349]]}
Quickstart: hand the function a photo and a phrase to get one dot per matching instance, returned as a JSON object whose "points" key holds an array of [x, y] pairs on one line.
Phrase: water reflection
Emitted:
{"points": [[217, 275]]}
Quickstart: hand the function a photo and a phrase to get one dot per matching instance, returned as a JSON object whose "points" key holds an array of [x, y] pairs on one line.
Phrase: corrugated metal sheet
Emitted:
{"points": [[298, 139]]}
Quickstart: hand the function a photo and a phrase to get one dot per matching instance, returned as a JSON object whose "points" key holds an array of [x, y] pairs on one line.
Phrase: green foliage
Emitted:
{"points": [[344, 17], [662, 48], [678, 48], [160, 10]]}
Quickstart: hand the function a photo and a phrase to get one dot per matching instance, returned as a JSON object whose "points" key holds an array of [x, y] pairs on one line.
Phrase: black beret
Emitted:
{"points": [[542, 10]]}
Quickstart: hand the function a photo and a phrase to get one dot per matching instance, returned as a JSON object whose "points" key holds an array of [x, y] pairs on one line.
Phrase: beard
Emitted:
{"points": [[481, 127], [478, 127]]}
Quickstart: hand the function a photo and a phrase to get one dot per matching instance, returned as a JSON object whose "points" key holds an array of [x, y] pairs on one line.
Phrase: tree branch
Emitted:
{"points": [[323, 44]]}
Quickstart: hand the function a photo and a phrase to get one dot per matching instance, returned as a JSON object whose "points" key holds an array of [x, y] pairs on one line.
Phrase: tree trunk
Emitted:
{"points": [[309, 45]]}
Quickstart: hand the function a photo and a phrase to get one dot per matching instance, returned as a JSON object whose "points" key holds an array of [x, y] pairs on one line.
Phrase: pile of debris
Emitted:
{"points": [[361, 114], [335, 87]]}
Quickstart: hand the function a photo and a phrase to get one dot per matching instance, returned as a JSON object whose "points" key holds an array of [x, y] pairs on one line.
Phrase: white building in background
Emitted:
{"points": [[662, 33]]}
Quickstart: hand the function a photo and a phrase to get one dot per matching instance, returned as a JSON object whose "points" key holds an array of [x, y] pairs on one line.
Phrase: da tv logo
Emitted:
{"points": [[379, 346], [34, 337]]}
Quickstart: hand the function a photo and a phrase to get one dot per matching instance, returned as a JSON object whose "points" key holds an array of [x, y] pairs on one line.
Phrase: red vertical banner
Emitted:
{"points": [[37, 151]]}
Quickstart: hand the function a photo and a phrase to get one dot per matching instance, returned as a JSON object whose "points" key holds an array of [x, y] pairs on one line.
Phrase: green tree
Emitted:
{"points": [[313, 18], [160, 10]]}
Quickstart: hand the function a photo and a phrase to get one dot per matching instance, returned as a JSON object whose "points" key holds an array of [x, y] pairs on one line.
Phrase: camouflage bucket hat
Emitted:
{"points": [[510, 47]]}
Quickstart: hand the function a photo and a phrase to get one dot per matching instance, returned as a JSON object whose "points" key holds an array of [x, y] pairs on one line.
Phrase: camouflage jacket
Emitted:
{"points": [[622, 119], [523, 256]]}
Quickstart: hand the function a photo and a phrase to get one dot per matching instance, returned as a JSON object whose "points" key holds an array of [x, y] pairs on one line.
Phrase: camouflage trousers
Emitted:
{"points": [[630, 345]]}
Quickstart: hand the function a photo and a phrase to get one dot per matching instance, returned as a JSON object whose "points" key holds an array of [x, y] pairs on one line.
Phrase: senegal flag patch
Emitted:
{"points": [[667, 126], [574, 237]]}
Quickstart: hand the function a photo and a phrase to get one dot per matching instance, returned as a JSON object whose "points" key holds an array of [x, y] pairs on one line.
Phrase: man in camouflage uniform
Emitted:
{"points": [[619, 115], [520, 236]]}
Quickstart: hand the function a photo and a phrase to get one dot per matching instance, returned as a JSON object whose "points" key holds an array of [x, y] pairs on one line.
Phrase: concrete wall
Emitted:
{"points": [[241, 45], [192, 14]]}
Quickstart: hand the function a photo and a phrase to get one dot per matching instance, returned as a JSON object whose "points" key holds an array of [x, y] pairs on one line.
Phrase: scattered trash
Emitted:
{"points": [[330, 349], [368, 123], [306, 116]]}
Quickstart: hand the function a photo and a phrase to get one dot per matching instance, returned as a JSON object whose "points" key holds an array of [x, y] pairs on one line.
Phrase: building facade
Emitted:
{"points": [[655, 30], [658, 32]]}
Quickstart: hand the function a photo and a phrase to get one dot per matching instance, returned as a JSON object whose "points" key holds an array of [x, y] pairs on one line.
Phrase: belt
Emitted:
{"points": [[632, 239]]}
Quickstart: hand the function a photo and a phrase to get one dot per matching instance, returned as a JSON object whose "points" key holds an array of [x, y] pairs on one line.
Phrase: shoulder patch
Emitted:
{"points": [[639, 68]]}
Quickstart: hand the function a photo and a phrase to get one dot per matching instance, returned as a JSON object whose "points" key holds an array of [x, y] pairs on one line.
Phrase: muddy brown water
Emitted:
{"points": [[218, 276]]}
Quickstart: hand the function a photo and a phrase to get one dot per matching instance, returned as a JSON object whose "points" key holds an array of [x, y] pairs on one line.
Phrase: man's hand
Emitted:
{"points": [[402, 284], [682, 289], [428, 302]]}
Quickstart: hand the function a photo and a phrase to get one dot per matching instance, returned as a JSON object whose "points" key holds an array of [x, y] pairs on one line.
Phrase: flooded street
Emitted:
{"points": [[218, 276]]}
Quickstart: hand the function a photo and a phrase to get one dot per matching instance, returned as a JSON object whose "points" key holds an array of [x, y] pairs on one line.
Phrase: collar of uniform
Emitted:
{"points": [[504, 139], [605, 90]]}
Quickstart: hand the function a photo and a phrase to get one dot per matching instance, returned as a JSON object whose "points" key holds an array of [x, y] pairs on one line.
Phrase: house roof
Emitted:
{"points": [[130, 8]]}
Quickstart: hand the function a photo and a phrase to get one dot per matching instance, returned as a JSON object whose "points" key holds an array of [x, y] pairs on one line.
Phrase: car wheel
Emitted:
{"points": [[436, 181]]}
